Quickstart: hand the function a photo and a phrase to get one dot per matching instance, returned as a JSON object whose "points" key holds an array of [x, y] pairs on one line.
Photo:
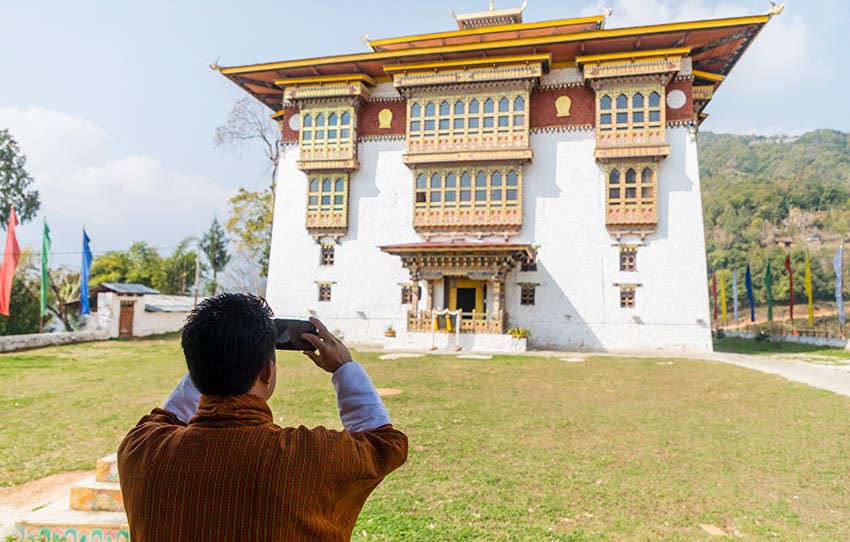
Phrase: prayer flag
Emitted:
{"points": [[768, 285], [837, 264], [809, 290], [84, 276], [723, 317], [790, 287], [750, 297], [735, 294], [714, 293], [11, 255], [45, 271]]}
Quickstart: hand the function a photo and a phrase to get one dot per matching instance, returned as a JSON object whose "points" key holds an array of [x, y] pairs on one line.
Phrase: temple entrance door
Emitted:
{"points": [[468, 296]]}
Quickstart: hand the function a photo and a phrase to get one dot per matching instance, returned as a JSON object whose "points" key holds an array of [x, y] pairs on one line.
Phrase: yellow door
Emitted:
{"points": [[467, 295]]}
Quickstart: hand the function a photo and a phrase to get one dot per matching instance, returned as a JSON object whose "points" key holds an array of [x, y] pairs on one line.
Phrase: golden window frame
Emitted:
{"points": [[327, 199], [490, 187], [463, 120], [334, 138], [631, 193]]}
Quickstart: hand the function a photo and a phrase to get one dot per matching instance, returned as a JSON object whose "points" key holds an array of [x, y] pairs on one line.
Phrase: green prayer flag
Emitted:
{"points": [[45, 276], [768, 284]]}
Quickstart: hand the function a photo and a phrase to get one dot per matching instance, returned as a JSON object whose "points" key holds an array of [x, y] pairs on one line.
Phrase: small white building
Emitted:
{"points": [[135, 310], [540, 176]]}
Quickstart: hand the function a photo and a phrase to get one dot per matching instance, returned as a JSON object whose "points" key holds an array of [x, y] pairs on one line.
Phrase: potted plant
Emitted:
{"points": [[389, 332]]}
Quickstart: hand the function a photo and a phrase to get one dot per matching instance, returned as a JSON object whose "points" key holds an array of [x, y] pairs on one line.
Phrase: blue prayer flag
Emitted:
{"points": [[84, 276], [749, 283]]}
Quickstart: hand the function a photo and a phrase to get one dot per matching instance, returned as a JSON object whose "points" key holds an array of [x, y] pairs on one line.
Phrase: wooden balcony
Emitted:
{"points": [[471, 322]]}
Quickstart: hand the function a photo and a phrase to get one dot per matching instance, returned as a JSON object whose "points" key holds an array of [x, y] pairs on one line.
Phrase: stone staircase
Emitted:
{"points": [[92, 512]]}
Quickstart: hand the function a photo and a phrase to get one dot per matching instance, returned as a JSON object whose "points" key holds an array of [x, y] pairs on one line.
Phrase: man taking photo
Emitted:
{"points": [[212, 464]]}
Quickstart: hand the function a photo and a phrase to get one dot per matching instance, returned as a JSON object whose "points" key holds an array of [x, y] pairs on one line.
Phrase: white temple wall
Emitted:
{"points": [[577, 304]]}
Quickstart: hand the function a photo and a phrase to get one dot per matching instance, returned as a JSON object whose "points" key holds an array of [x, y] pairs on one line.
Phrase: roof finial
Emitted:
{"points": [[492, 5], [607, 12], [214, 66], [775, 9]]}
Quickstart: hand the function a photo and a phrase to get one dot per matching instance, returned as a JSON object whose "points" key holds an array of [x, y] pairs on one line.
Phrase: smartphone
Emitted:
{"points": [[289, 334]]}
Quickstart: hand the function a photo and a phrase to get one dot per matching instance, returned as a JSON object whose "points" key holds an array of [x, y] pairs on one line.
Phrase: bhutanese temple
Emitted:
{"points": [[502, 175]]}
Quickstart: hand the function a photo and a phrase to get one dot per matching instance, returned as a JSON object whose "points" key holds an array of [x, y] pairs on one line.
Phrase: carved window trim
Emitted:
{"points": [[324, 291], [628, 258], [327, 200], [465, 121], [468, 195], [631, 193], [327, 141], [527, 294], [327, 254], [631, 114], [410, 293], [627, 296]]}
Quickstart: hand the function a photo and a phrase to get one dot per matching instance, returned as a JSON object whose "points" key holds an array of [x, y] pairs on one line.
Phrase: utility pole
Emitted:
{"points": [[197, 275]]}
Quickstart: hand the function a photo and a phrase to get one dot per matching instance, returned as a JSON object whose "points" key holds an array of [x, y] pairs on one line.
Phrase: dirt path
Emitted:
{"points": [[18, 500]]}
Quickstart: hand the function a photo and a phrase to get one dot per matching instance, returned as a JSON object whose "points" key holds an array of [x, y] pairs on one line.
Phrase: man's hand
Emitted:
{"points": [[332, 353]]}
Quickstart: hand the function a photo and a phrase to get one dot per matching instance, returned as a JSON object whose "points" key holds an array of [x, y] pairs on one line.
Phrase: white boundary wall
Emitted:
{"points": [[577, 304]]}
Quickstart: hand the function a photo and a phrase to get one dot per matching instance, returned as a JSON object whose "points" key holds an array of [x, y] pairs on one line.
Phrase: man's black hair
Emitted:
{"points": [[226, 341]]}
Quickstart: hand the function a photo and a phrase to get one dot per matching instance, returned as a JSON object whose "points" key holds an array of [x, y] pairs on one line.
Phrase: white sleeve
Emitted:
{"points": [[360, 406], [183, 401]]}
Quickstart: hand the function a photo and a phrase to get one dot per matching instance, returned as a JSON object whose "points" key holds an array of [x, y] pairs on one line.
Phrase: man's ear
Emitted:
{"points": [[267, 372]]}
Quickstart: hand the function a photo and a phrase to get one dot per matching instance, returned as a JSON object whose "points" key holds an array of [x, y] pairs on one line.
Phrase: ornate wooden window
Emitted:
{"points": [[526, 296], [327, 201], [630, 117], [631, 194], [628, 258], [471, 196], [327, 133], [627, 296], [471, 121], [327, 254], [528, 265], [324, 291], [410, 293]]}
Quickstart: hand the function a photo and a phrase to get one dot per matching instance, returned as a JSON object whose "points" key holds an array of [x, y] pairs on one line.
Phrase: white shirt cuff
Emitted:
{"points": [[360, 406], [183, 401]]}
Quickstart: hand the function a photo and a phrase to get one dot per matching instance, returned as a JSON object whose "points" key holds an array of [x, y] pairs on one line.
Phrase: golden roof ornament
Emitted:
{"points": [[491, 17]]}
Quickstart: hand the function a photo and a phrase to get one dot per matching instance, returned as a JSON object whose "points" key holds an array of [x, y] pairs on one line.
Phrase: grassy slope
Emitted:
{"points": [[514, 448]]}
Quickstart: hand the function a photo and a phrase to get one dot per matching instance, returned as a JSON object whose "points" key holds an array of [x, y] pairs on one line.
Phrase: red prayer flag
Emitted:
{"points": [[11, 255], [790, 286], [714, 293]]}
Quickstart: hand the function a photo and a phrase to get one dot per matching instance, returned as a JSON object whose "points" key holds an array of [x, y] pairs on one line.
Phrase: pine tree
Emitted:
{"points": [[214, 245]]}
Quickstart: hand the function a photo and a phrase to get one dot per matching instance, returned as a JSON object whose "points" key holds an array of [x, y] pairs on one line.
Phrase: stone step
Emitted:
{"points": [[92, 496], [107, 469], [58, 521]]}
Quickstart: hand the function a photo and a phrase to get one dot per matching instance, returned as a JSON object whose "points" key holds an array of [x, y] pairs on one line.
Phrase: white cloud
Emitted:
{"points": [[120, 200]]}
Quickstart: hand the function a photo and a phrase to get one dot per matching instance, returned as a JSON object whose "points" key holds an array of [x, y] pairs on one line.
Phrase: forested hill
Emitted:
{"points": [[762, 193]]}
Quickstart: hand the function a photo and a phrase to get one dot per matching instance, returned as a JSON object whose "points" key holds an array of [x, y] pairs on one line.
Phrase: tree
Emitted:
{"points": [[251, 213], [179, 269], [214, 245], [15, 182], [64, 289], [24, 303]]}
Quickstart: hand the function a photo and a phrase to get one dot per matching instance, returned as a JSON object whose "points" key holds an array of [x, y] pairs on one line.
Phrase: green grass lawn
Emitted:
{"points": [[770, 347], [509, 449]]}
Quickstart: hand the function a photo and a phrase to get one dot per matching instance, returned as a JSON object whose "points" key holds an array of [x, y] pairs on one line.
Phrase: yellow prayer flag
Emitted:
{"points": [[723, 297], [809, 290]]}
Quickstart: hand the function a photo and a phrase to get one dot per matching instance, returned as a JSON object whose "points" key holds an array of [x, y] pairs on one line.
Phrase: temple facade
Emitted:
{"points": [[523, 176]]}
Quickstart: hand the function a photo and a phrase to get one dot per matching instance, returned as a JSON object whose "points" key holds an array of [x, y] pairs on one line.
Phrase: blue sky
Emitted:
{"points": [[115, 106]]}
